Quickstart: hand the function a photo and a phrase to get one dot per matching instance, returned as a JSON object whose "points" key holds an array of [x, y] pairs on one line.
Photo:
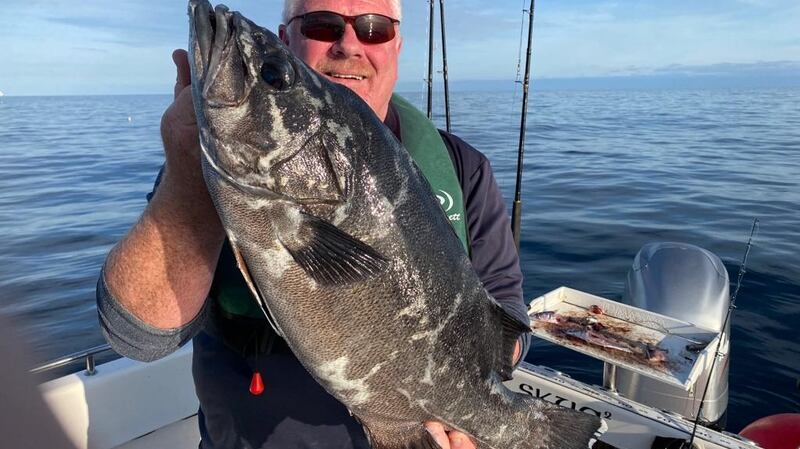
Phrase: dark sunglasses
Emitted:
{"points": [[328, 26]]}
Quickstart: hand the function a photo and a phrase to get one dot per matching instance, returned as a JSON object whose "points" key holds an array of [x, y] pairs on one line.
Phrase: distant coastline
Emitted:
{"points": [[631, 82], [790, 79]]}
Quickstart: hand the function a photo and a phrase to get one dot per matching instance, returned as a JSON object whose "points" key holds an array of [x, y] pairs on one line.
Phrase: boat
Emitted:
{"points": [[2, 94], [677, 290]]}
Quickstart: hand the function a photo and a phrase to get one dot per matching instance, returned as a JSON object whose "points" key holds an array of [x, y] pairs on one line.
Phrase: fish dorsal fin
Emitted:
{"points": [[512, 329], [248, 278], [331, 256]]}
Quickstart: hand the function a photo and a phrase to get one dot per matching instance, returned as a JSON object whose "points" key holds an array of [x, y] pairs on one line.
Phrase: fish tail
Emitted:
{"points": [[525, 422], [563, 428]]}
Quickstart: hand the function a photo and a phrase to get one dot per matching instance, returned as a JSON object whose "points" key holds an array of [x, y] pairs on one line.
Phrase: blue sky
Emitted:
{"points": [[52, 47]]}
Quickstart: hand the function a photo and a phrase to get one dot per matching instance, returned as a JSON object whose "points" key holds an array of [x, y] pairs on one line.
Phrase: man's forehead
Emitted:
{"points": [[348, 7]]}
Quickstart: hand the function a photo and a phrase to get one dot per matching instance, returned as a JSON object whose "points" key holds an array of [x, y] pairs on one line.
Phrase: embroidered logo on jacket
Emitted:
{"points": [[446, 201]]}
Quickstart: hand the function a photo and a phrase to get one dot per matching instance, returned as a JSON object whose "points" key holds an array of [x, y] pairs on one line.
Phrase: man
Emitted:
{"points": [[161, 284]]}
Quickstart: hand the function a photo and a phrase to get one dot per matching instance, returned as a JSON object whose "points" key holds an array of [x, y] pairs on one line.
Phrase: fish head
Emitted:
{"points": [[269, 124]]}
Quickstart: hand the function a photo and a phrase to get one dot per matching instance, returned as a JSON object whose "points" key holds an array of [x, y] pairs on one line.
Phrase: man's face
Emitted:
{"points": [[348, 58]]}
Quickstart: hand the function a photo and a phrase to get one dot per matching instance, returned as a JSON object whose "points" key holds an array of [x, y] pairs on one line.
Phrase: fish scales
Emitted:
{"points": [[349, 253]]}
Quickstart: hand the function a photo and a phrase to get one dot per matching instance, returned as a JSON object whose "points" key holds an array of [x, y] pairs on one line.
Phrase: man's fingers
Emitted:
{"points": [[183, 77], [181, 59], [517, 353], [436, 429], [460, 440], [448, 439]]}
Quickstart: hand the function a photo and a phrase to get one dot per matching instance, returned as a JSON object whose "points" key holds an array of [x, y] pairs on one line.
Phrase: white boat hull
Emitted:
{"points": [[631, 425], [127, 400], [134, 405]]}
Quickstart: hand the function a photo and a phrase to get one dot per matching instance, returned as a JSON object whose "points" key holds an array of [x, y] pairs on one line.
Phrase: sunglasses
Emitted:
{"points": [[328, 26]]}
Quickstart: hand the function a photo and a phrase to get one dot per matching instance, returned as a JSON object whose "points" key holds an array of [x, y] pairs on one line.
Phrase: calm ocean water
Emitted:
{"points": [[606, 172]]}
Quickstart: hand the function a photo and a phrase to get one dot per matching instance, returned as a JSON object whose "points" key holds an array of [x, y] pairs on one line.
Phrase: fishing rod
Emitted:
{"points": [[517, 210], [444, 69], [717, 354], [430, 61]]}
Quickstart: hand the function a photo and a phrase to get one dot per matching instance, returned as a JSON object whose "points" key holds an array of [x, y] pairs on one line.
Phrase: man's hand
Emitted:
{"points": [[180, 135], [448, 439]]}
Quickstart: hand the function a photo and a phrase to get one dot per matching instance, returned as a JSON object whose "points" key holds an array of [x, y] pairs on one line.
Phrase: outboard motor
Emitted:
{"points": [[690, 284]]}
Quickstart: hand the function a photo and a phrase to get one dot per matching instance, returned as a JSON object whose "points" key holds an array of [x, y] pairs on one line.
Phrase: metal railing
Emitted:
{"points": [[87, 354]]}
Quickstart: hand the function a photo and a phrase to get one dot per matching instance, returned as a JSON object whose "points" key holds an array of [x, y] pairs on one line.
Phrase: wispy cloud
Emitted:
{"points": [[583, 43], [60, 46]]}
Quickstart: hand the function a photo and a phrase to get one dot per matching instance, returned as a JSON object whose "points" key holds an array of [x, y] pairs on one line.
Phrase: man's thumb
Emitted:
{"points": [[184, 77]]}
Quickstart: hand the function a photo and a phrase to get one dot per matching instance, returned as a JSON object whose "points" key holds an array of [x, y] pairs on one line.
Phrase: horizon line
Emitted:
{"points": [[681, 81]]}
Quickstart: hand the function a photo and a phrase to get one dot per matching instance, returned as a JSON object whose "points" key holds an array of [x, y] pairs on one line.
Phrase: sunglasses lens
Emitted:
{"points": [[323, 26], [374, 28]]}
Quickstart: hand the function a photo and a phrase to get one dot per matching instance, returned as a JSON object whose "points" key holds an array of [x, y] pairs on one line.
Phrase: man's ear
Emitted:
{"points": [[283, 34]]}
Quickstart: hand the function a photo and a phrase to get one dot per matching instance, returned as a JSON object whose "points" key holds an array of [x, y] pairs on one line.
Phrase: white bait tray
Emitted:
{"points": [[687, 348]]}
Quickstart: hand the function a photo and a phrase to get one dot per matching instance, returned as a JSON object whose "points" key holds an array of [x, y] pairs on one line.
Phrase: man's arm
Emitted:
{"points": [[494, 254], [161, 271]]}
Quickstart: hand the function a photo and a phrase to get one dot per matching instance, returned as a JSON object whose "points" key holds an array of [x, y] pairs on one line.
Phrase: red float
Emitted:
{"points": [[775, 432], [256, 384]]}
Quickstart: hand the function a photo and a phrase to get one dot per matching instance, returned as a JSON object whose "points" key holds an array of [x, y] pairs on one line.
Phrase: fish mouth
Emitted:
{"points": [[212, 39], [229, 55]]}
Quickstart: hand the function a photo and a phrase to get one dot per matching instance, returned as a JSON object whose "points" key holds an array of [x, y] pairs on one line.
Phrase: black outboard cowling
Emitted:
{"points": [[691, 284]]}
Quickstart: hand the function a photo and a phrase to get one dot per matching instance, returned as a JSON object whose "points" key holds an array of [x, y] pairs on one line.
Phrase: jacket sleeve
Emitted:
{"points": [[133, 338]]}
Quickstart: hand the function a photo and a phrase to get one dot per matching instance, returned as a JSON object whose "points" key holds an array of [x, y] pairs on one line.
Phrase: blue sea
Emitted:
{"points": [[605, 173]]}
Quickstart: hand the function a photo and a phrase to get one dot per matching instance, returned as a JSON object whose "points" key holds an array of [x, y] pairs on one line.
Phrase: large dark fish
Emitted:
{"points": [[349, 252]]}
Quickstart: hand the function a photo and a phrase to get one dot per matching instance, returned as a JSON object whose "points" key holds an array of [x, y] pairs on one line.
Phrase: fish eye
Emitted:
{"points": [[278, 73]]}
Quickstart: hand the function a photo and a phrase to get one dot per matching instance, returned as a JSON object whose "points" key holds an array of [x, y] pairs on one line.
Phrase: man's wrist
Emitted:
{"points": [[185, 203]]}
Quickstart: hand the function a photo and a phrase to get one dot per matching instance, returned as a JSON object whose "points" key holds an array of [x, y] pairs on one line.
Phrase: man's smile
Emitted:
{"points": [[346, 76]]}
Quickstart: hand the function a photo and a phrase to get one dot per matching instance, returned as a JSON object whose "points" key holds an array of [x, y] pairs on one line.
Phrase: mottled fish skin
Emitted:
{"points": [[349, 252]]}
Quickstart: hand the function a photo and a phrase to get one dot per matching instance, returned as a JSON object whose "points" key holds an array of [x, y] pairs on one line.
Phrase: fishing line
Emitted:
{"points": [[731, 306], [517, 80], [421, 23], [430, 60], [444, 68], [519, 49]]}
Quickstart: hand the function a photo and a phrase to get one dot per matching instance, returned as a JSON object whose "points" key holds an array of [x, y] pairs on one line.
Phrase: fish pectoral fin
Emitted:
{"points": [[512, 329], [331, 256], [398, 435], [248, 278]]}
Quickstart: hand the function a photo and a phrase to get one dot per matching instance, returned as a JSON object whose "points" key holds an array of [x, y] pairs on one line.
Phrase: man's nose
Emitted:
{"points": [[348, 45]]}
